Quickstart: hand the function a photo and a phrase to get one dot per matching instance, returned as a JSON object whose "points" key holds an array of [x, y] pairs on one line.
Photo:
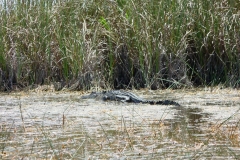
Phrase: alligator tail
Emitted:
{"points": [[165, 102]]}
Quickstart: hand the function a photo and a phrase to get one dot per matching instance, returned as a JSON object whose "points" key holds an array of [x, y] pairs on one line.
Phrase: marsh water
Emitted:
{"points": [[60, 125]]}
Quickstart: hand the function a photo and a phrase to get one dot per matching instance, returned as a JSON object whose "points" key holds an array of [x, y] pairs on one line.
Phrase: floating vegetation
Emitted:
{"points": [[60, 125]]}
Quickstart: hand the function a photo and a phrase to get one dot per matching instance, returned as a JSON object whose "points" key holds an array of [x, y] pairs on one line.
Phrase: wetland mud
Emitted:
{"points": [[61, 125]]}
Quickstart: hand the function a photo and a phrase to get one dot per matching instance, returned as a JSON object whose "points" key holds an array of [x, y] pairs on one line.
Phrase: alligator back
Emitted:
{"points": [[123, 96]]}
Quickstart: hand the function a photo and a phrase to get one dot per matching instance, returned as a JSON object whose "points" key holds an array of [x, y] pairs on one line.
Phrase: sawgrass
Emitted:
{"points": [[167, 43]]}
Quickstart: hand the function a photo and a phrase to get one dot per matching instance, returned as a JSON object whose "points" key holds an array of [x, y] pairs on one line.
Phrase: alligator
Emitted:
{"points": [[124, 96]]}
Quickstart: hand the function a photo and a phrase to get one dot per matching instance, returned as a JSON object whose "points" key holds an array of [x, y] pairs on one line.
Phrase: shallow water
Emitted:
{"points": [[60, 125]]}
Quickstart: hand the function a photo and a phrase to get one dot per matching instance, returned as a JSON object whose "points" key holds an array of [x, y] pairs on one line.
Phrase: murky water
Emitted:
{"points": [[58, 125]]}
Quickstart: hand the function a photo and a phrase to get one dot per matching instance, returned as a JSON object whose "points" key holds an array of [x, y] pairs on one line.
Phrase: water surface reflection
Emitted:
{"points": [[62, 126]]}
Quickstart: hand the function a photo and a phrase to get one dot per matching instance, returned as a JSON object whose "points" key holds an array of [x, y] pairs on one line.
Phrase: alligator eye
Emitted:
{"points": [[105, 97]]}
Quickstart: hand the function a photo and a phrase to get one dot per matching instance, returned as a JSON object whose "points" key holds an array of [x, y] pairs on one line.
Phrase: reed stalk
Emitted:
{"points": [[50, 41]]}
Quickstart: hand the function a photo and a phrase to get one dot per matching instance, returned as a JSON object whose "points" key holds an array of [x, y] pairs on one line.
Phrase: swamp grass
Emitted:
{"points": [[81, 44]]}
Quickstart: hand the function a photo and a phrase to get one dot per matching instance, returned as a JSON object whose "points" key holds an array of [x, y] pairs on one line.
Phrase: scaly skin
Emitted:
{"points": [[124, 96]]}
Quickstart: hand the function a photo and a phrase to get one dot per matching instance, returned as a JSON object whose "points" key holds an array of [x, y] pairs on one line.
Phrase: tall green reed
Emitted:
{"points": [[3, 31], [166, 40]]}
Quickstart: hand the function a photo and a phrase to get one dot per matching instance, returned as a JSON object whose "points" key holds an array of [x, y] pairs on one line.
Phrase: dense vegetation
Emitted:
{"points": [[119, 43]]}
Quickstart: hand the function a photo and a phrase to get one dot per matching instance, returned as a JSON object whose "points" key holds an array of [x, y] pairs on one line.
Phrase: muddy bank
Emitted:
{"points": [[61, 125]]}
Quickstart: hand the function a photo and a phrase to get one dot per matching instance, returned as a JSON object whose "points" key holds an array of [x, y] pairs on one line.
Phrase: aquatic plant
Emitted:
{"points": [[119, 44]]}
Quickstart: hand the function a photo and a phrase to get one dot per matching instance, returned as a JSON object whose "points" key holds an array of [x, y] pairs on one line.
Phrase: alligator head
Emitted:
{"points": [[94, 95]]}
